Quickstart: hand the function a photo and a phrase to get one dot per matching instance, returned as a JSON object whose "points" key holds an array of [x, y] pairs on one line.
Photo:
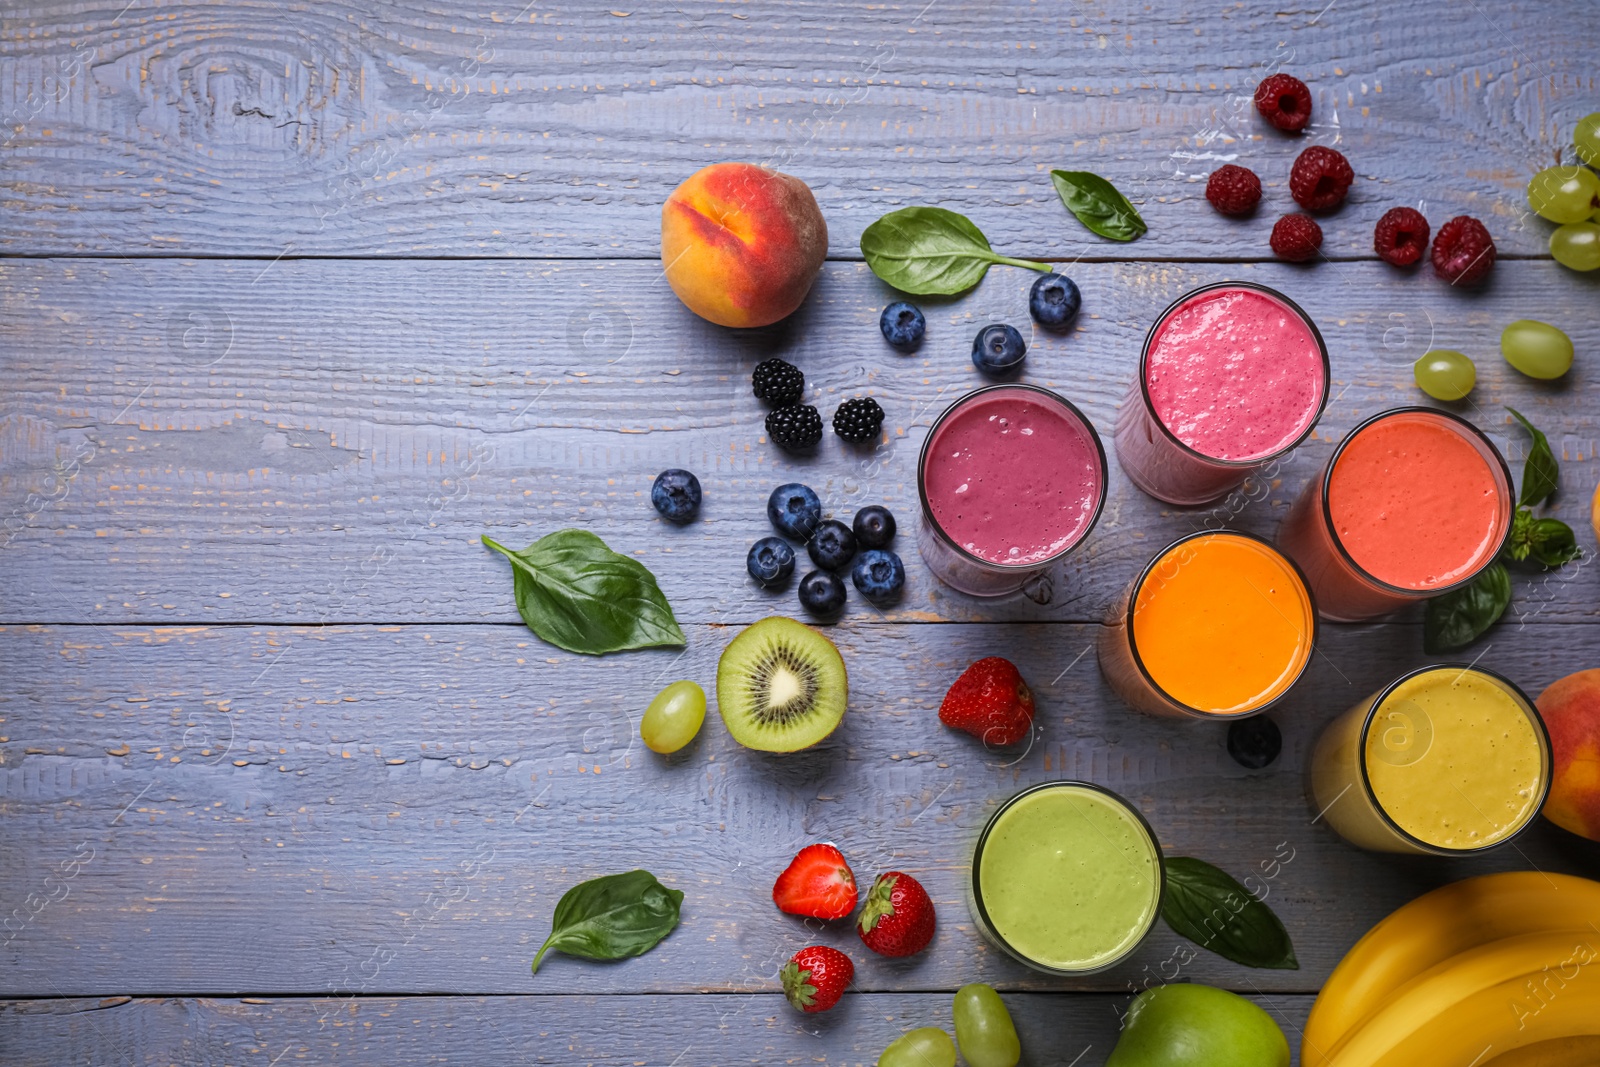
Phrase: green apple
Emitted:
{"points": [[1188, 1025]]}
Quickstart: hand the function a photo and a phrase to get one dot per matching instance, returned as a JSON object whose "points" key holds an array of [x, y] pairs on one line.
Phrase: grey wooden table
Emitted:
{"points": [[297, 299]]}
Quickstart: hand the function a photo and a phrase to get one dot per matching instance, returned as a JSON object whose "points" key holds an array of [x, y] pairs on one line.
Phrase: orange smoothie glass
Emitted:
{"points": [[1413, 503], [1219, 625]]}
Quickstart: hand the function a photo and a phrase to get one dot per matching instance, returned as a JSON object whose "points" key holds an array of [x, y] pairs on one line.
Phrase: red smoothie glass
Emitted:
{"points": [[1012, 478], [1413, 503], [1232, 376]]}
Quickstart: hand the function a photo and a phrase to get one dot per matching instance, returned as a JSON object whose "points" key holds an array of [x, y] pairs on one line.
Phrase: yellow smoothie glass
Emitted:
{"points": [[1448, 760], [1067, 878]]}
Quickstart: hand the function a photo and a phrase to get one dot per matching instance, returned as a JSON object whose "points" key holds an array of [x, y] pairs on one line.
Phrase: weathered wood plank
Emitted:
{"points": [[404, 128], [397, 809], [1056, 1031], [317, 441]]}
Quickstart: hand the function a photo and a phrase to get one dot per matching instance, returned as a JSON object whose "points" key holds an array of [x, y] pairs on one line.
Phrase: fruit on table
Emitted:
{"points": [[1577, 246], [1401, 236], [1054, 301], [1284, 101], [1564, 194], [1296, 238], [1444, 374], [676, 495], [991, 702], [897, 918], [878, 575], [1570, 708], [818, 884], [822, 594], [902, 325], [1581, 1051], [781, 686], [794, 510], [1463, 252], [1586, 138], [778, 382], [1191, 1025], [998, 349], [673, 718], [858, 420], [833, 546], [926, 1046], [796, 428], [741, 244], [874, 526], [1233, 190], [770, 562], [984, 1029], [1431, 930], [1254, 742], [816, 977], [1320, 178], [1537, 349]]}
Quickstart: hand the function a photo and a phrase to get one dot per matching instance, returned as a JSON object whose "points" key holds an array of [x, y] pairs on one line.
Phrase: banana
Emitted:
{"points": [[1484, 1002], [1557, 1052], [1431, 929]]}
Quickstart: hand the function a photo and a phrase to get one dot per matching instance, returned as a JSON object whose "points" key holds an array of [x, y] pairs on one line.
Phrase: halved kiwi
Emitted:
{"points": [[781, 686]]}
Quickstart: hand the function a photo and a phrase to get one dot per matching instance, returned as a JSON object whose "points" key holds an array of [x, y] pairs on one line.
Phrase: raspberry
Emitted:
{"points": [[1401, 236], [1320, 178], [1233, 190], [1284, 101], [778, 382], [1296, 238], [859, 419], [1463, 253], [795, 428]]}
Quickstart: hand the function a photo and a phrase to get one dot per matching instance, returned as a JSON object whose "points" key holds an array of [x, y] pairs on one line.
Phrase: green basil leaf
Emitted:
{"points": [[1553, 543], [1208, 907], [577, 594], [931, 251], [1519, 544], [1098, 205], [1540, 474], [1457, 619], [612, 918]]}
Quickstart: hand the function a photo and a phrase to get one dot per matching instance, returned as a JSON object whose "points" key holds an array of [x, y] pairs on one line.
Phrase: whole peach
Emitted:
{"points": [[741, 244], [1570, 708]]}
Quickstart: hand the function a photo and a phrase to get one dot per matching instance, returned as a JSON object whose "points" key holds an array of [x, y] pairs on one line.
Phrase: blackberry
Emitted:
{"points": [[858, 420], [795, 427], [778, 382]]}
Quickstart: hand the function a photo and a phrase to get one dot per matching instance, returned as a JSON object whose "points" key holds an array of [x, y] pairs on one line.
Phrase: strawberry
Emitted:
{"points": [[991, 702], [897, 919], [817, 883], [815, 978]]}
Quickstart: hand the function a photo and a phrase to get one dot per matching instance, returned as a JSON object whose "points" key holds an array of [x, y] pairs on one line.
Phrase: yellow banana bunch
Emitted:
{"points": [[1467, 973]]}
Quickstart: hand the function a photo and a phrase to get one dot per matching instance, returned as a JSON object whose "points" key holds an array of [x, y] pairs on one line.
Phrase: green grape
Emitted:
{"points": [[928, 1046], [1586, 138], [1564, 194], [1576, 245], [1445, 375], [1536, 349], [673, 717], [984, 1029]]}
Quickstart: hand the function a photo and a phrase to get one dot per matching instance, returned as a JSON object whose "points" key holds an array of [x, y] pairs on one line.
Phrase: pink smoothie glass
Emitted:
{"points": [[1232, 377], [1012, 478], [1414, 503]]}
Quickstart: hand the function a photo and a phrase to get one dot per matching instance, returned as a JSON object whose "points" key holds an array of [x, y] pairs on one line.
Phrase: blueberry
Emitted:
{"points": [[676, 494], [874, 527], [770, 562], [1254, 742], [998, 349], [833, 546], [902, 325], [878, 575], [1054, 301], [794, 510], [822, 593]]}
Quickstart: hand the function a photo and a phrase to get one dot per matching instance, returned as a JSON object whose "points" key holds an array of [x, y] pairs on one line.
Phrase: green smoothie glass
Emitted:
{"points": [[1066, 878]]}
